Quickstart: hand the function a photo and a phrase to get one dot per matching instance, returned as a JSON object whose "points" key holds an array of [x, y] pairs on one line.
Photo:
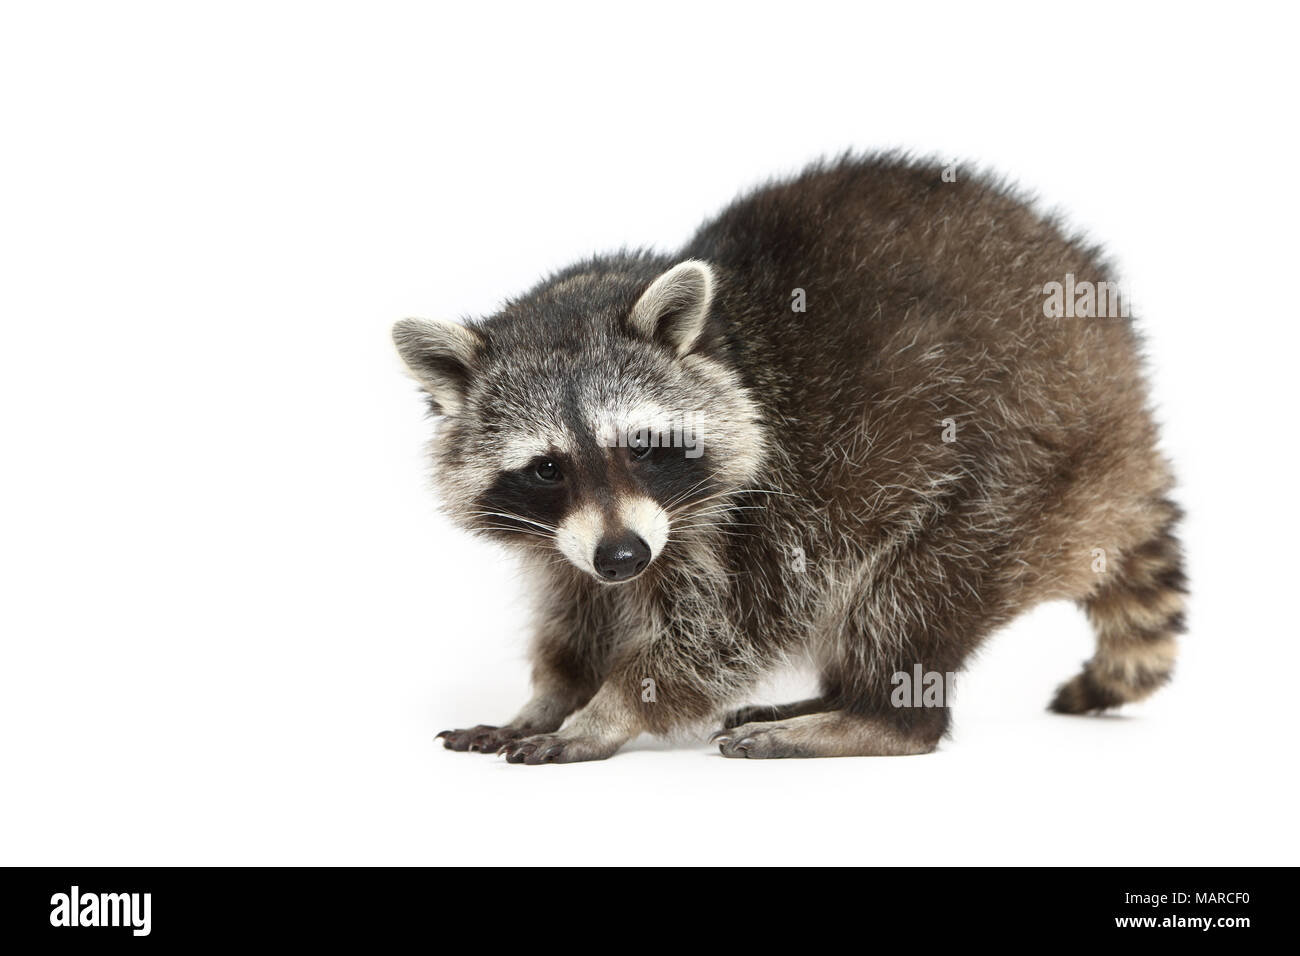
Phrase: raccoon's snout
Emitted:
{"points": [[621, 557], [613, 547]]}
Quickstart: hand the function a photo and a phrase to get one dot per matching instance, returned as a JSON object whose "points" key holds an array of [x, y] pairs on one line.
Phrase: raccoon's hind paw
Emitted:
{"points": [[483, 738], [758, 741], [556, 748]]}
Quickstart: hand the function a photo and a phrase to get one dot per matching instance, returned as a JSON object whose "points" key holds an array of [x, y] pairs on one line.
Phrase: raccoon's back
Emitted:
{"points": [[852, 253], [869, 301]]}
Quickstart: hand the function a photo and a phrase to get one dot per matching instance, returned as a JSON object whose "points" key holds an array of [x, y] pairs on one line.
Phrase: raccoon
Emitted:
{"points": [[841, 425]]}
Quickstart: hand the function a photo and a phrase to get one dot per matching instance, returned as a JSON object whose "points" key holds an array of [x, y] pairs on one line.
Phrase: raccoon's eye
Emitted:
{"points": [[639, 449], [547, 470]]}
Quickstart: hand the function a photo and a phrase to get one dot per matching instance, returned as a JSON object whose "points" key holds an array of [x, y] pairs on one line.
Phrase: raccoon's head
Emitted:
{"points": [[595, 415]]}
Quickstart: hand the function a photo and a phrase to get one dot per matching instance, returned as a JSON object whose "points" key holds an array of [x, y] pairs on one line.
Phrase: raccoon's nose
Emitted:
{"points": [[621, 557]]}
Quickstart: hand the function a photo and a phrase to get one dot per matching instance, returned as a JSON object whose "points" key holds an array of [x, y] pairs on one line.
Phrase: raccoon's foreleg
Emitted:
{"points": [[557, 692], [570, 658], [658, 684], [596, 731], [554, 698]]}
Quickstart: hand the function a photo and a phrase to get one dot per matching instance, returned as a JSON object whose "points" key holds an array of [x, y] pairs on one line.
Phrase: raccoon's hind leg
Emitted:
{"points": [[1138, 615], [906, 628], [768, 712], [837, 733]]}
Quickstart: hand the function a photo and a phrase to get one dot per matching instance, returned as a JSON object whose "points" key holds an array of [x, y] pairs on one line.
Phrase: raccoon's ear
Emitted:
{"points": [[441, 357], [673, 310]]}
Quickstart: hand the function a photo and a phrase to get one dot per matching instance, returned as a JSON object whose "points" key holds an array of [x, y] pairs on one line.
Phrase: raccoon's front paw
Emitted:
{"points": [[758, 742], [482, 739], [557, 748]]}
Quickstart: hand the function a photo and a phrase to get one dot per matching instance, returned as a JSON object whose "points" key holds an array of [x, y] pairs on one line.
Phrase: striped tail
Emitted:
{"points": [[1138, 615]]}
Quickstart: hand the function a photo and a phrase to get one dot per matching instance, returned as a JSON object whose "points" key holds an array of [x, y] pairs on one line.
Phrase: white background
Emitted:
{"points": [[232, 618]]}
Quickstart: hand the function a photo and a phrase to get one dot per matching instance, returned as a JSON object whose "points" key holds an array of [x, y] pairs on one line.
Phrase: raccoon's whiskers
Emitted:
{"points": [[719, 510], [718, 524], [698, 531], [513, 530], [514, 517], [678, 498], [727, 494]]}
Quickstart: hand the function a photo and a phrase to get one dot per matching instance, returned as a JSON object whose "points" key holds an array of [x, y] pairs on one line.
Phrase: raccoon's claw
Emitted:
{"points": [[735, 748], [521, 751], [543, 748], [555, 748], [738, 719], [757, 742], [483, 738]]}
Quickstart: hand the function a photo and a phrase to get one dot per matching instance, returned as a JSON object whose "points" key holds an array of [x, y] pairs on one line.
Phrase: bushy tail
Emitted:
{"points": [[1138, 615]]}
